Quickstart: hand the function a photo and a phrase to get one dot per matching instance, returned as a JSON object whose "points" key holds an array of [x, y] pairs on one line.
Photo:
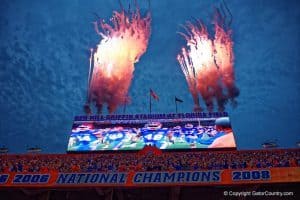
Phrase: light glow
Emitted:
{"points": [[207, 64], [123, 42]]}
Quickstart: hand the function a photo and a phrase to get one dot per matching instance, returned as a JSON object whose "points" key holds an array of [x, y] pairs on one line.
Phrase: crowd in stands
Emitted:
{"points": [[149, 161]]}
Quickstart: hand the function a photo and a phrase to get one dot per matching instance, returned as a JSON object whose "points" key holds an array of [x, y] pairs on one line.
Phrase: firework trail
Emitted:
{"points": [[224, 56], [207, 63], [123, 42]]}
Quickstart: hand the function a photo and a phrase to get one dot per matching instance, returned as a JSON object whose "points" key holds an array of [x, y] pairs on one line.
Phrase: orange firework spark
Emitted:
{"points": [[208, 63], [123, 42]]}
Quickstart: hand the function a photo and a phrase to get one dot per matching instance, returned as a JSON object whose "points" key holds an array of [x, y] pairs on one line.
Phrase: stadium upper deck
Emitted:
{"points": [[102, 175], [151, 159]]}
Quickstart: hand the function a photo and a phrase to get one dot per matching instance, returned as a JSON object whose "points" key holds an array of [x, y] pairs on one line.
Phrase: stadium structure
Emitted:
{"points": [[152, 156], [167, 156]]}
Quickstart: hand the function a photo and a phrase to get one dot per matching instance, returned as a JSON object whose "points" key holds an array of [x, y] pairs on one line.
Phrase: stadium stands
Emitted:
{"points": [[151, 161], [22, 175]]}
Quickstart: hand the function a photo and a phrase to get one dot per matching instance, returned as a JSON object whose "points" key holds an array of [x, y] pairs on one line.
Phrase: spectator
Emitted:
{"points": [[168, 161]]}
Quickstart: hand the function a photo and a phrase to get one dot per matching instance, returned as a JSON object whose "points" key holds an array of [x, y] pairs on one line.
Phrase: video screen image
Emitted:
{"points": [[96, 136]]}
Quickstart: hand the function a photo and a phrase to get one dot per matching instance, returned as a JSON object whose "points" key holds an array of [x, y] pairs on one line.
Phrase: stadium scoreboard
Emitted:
{"points": [[164, 131]]}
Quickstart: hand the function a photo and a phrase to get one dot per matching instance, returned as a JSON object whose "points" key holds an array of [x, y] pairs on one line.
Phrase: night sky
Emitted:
{"points": [[44, 59]]}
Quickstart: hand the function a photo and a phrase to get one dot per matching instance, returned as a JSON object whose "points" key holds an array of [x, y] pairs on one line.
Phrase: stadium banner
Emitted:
{"points": [[150, 116], [149, 178], [164, 131]]}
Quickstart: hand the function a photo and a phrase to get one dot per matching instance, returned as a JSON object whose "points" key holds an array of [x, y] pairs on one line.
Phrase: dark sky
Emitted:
{"points": [[44, 55]]}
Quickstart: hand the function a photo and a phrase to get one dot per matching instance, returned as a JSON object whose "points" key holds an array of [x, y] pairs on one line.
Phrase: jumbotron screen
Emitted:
{"points": [[164, 131]]}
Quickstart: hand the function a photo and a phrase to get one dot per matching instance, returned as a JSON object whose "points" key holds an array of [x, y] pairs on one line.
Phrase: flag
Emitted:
{"points": [[179, 100], [154, 95]]}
